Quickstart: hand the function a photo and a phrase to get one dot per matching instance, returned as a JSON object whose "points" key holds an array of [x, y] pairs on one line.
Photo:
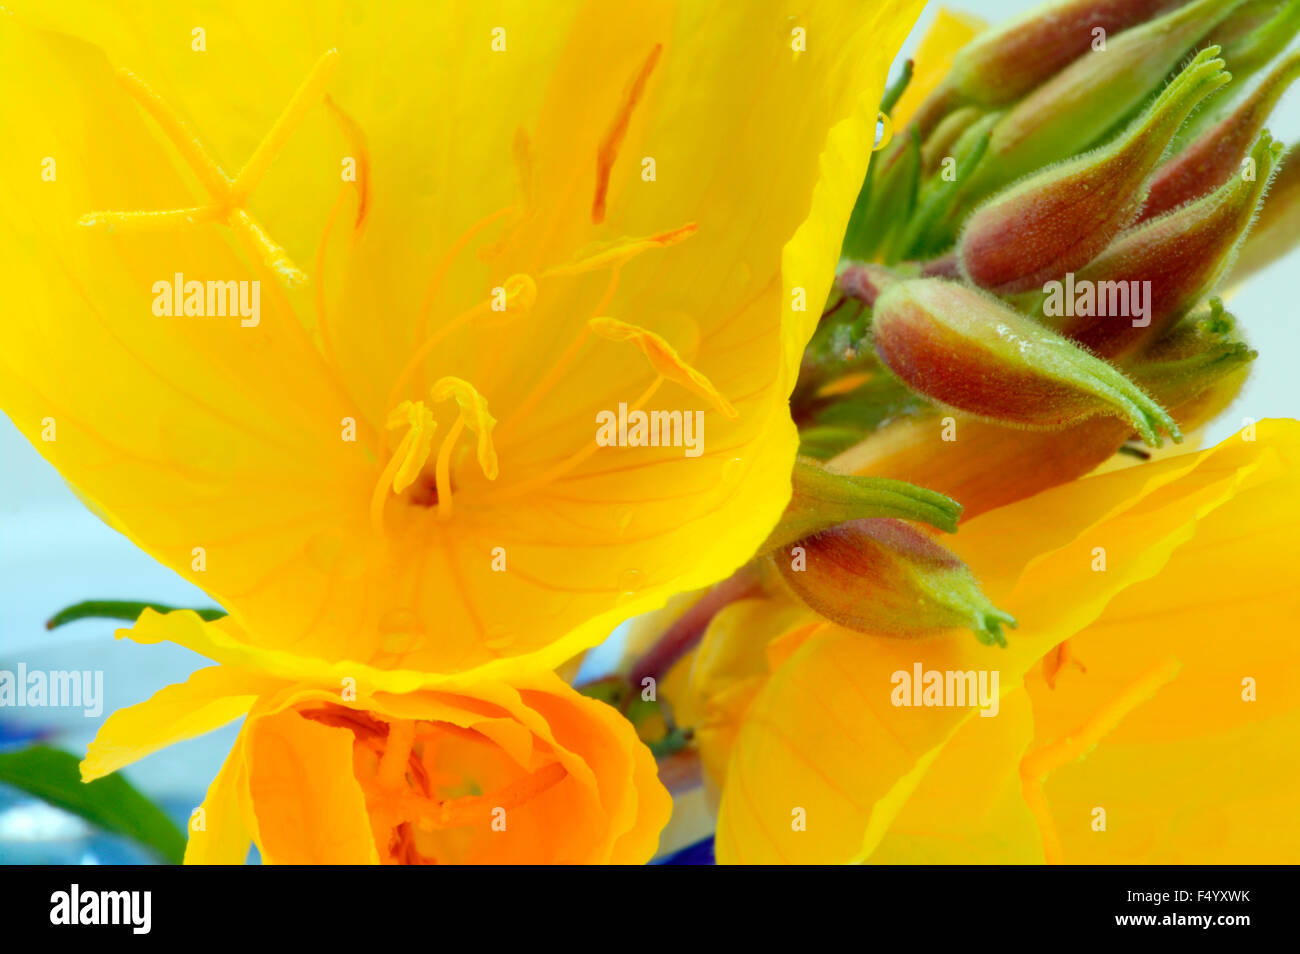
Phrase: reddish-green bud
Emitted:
{"points": [[1100, 90], [1217, 153], [1277, 227], [1256, 32], [940, 143], [1157, 272], [889, 579], [1059, 219], [1002, 65], [968, 350], [822, 499], [865, 281]]}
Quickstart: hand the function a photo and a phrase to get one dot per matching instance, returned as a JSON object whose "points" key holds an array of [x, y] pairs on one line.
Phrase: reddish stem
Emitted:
{"points": [[688, 629]]}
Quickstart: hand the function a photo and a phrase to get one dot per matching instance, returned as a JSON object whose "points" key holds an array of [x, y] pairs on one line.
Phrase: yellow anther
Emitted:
{"points": [[664, 359], [1036, 765], [410, 457], [619, 252], [520, 293], [413, 452], [474, 416]]}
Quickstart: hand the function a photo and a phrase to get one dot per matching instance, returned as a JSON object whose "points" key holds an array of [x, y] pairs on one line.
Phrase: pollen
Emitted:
{"points": [[664, 359]]}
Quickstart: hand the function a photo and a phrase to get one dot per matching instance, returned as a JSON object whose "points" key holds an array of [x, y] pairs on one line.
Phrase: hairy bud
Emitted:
{"points": [[1218, 152], [1100, 90], [886, 578], [1169, 264], [970, 351], [1059, 219]]}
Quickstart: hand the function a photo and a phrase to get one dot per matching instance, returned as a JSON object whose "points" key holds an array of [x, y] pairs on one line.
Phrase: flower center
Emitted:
{"points": [[397, 766]]}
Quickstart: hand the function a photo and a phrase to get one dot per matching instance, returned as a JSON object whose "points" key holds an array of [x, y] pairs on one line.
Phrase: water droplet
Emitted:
{"points": [[498, 638]]}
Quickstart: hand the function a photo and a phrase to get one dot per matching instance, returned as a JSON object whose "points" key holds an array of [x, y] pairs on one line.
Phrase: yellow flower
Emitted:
{"points": [[457, 234], [1152, 678], [475, 771]]}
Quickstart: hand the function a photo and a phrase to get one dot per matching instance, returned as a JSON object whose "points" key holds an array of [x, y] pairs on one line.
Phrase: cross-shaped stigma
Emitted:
{"points": [[227, 195]]}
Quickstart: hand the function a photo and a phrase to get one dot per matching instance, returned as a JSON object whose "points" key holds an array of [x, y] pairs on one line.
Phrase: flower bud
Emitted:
{"points": [[865, 281], [886, 578], [1255, 32], [970, 351], [1101, 89], [939, 144], [822, 499], [1277, 227], [1008, 62], [1198, 367], [1157, 272], [1219, 150], [1059, 219]]}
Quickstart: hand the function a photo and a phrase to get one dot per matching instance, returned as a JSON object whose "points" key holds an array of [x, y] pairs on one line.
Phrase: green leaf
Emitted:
{"points": [[128, 610], [110, 803]]}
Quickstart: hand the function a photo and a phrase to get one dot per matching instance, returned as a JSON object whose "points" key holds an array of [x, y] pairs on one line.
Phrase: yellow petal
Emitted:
{"points": [[209, 699], [823, 736], [968, 808], [223, 832], [309, 807], [1190, 774], [223, 450]]}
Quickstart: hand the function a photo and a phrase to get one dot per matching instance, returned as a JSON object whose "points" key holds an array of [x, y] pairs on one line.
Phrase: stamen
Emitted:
{"points": [[609, 146], [352, 130], [474, 416], [664, 359], [1035, 766], [312, 88], [408, 460], [620, 252], [615, 257], [520, 294], [322, 319], [444, 265]]}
